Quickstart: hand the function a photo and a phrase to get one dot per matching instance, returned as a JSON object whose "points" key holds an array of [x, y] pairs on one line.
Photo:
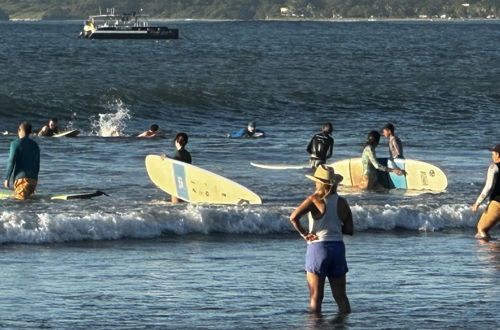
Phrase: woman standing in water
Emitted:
{"points": [[329, 217], [370, 163], [182, 155]]}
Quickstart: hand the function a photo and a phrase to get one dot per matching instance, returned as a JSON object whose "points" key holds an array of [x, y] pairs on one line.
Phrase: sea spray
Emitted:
{"points": [[112, 123]]}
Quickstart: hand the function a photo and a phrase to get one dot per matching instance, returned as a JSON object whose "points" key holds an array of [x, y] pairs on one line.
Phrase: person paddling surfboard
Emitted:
{"points": [[50, 129]]}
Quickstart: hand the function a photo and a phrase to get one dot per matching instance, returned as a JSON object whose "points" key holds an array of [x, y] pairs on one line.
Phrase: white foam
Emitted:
{"points": [[155, 221], [112, 123]]}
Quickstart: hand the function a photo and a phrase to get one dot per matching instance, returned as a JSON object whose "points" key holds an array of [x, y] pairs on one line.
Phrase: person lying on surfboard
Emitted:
{"points": [[50, 129], [182, 155], [153, 131], [371, 165], [491, 189], [321, 146], [249, 132]]}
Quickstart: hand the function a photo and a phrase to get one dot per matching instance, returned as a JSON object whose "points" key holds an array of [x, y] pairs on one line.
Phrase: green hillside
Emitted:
{"points": [[254, 9]]}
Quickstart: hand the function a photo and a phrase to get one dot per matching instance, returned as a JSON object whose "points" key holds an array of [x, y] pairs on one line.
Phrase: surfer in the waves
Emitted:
{"points": [[182, 155], [50, 129], [491, 189], [250, 131], [153, 131], [321, 146], [371, 165], [329, 218]]}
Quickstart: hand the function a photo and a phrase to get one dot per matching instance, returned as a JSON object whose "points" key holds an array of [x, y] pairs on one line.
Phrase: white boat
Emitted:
{"points": [[124, 26]]}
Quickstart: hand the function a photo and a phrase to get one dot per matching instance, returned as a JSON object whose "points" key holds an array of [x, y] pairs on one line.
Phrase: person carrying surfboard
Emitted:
{"points": [[180, 141], [50, 129], [330, 217], [491, 189], [23, 164], [395, 144], [321, 146], [371, 165]]}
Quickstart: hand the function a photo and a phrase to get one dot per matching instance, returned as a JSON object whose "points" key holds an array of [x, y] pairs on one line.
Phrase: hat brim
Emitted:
{"points": [[337, 179]]}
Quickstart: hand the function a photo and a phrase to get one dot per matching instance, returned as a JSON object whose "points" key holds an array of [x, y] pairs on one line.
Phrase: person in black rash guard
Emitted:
{"points": [[182, 155], [321, 146], [50, 129], [491, 215]]}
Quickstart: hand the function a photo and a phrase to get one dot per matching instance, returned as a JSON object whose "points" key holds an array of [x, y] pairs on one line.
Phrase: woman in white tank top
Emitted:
{"points": [[329, 218]]}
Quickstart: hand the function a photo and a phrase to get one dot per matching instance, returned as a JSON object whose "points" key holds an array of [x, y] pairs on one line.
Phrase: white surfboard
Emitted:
{"points": [[196, 185], [280, 166], [71, 133]]}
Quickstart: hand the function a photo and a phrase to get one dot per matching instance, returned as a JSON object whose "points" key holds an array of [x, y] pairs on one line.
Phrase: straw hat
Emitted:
{"points": [[326, 174]]}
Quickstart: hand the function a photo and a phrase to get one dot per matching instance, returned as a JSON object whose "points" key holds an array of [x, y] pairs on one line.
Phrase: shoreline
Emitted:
{"points": [[286, 19]]}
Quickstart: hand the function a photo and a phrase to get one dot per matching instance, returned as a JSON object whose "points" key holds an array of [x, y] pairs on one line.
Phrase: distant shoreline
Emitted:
{"points": [[286, 19]]}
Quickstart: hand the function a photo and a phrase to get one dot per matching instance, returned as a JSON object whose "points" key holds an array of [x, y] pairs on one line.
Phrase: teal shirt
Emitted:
{"points": [[24, 159]]}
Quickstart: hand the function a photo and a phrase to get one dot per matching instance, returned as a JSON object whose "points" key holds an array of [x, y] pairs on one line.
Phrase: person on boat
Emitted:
{"points": [[491, 189], [395, 144], [321, 146], [370, 163], [89, 27], [182, 155], [249, 132], [23, 164], [329, 218], [154, 130], [50, 129]]}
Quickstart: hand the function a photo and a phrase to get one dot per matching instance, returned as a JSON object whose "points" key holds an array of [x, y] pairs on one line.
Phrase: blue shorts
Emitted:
{"points": [[326, 259]]}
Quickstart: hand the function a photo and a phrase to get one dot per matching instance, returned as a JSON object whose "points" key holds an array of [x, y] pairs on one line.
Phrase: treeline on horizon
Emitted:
{"points": [[252, 9]]}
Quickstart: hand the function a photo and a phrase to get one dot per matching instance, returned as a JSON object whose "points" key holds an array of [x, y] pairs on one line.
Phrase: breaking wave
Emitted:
{"points": [[160, 220]]}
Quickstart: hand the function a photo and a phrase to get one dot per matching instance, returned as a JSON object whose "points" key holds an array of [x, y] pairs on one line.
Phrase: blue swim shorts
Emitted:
{"points": [[326, 259]]}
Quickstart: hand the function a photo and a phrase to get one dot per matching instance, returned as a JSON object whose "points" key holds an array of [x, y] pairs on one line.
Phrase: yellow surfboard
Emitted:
{"points": [[420, 175], [196, 185]]}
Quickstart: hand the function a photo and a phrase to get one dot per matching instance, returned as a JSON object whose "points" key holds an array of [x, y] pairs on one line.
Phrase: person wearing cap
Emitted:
{"points": [[371, 165], [321, 146], [491, 189], [249, 132], [395, 145], [329, 218], [24, 163]]}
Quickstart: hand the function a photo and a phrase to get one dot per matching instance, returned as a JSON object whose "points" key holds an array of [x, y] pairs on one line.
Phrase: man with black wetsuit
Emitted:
{"points": [[321, 146]]}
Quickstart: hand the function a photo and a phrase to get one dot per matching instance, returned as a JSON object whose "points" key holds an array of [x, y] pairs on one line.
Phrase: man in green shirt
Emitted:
{"points": [[24, 163]]}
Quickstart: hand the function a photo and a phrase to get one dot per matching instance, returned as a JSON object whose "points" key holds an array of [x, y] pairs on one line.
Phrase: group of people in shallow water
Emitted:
{"points": [[329, 214]]}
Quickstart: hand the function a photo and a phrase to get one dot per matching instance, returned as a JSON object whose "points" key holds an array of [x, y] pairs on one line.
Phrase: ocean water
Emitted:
{"points": [[132, 260]]}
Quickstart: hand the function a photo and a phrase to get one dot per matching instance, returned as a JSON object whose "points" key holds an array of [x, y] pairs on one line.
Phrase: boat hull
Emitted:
{"points": [[134, 33]]}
